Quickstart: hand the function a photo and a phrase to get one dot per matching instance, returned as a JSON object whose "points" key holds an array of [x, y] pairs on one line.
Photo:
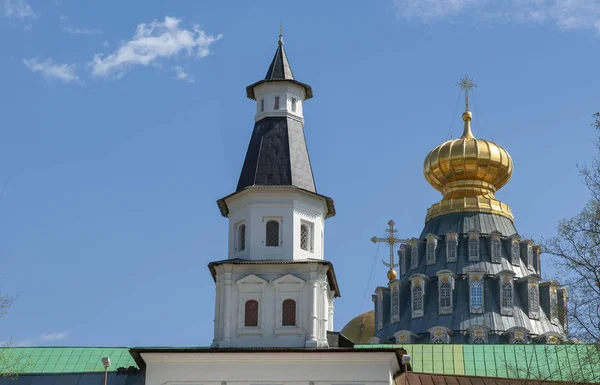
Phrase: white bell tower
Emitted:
{"points": [[275, 289]]}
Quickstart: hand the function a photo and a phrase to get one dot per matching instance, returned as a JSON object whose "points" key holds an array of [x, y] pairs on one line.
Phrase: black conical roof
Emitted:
{"points": [[279, 70], [280, 66]]}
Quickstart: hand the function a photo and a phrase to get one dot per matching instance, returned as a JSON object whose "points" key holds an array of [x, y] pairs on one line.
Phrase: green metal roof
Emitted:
{"points": [[539, 362], [67, 359]]}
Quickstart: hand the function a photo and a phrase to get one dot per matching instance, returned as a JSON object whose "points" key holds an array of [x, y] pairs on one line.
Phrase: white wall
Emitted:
{"points": [[286, 91], [302, 368], [270, 285], [255, 208]]}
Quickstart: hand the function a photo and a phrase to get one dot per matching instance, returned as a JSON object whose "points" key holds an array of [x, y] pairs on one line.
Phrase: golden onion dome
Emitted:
{"points": [[360, 328], [468, 172]]}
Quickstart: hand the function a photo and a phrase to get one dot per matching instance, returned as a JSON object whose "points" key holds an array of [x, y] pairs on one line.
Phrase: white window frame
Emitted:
{"points": [[444, 310], [311, 236], [507, 308], [430, 250], [277, 103], [529, 255], [475, 309], [553, 305], [418, 284], [402, 255], [288, 287], [395, 302], [379, 312], [414, 255], [280, 236], [250, 287], [294, 102], [439, 335], [237, 239], [533, 294], [473, 246], [451, 247], [515, 251], [478, 334], [496, 249]]}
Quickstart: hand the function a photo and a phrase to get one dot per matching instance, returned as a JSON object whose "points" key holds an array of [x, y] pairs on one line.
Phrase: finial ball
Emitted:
{"points": [[391, 275], [467, 115]]}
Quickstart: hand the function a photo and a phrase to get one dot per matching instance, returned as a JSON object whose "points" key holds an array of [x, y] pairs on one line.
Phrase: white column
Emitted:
{"points": [[313, 308], [324, 311], [217, 318], [330, 311], [227, 304]]}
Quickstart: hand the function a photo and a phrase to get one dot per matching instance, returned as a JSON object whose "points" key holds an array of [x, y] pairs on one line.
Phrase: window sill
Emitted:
{"points": [[287, 330], [250, 331]]}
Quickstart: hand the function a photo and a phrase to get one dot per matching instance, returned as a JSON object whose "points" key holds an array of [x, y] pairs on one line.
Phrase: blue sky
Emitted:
{"points": [[122, 123]]}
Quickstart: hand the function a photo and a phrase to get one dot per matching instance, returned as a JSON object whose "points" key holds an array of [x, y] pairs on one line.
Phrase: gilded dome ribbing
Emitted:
{"points": [[468, 172]]}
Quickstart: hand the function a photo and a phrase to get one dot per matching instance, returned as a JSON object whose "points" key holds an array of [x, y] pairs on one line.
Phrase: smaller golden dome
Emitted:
{"points": [[468, 172], [360, 328], [391, 274]]}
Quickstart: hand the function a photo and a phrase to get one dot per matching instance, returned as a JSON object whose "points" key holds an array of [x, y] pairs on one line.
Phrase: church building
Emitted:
{"points": [[467, 280]]}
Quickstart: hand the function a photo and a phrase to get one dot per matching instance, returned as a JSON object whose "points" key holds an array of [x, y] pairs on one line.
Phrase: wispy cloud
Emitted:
{"points": [[52, 71], [19, 9], [53, 336], [564, 14], [30, 341], [153, 43], [180, 74], [68, 28]]}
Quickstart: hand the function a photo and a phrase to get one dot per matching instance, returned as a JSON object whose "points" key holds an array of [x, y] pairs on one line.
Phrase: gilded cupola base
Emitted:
{"points": [[477, 204]]}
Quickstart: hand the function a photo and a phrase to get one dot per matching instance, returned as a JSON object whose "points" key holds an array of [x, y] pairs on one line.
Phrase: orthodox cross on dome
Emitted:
{"points": [[391, 241], [466, 84]]}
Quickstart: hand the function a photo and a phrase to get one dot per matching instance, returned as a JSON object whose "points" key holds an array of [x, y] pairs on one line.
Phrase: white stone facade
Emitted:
{"points": [[290, 208], [279, 99], [251, 368], [270, 285]]}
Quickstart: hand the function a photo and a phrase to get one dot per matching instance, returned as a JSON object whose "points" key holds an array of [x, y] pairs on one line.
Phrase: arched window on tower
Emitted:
{"points": [[496, 249], [534, 301], [529, 255], [304, 237], [451, 245], [241, 240], [417, 302], [445, 298], [288, 313], [251, 313], [293, 104], [414, 256], [431, 245], [476, 295], [507, 295], [276, 106], [272, 233], [473, 246], [514, 252]]}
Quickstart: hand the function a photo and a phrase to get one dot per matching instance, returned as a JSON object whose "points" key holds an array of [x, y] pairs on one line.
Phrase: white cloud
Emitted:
{"points": [[19, 9], [53, 336], [564, 14], [50, 70], [180, 74], [68, 28], [153, 43]]}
